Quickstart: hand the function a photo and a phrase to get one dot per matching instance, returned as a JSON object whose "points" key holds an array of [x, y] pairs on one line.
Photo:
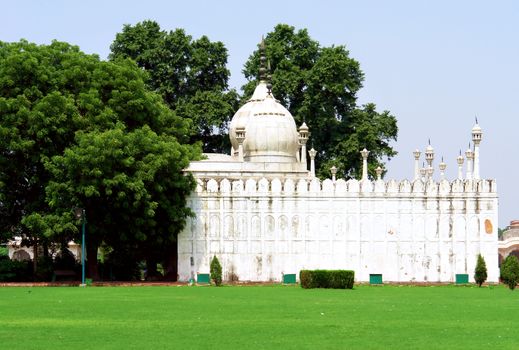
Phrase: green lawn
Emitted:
{"points": [[259, 317]]}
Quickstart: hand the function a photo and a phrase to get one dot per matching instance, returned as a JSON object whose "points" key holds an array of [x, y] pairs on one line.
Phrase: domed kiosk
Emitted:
{"points": [[264, 138]]}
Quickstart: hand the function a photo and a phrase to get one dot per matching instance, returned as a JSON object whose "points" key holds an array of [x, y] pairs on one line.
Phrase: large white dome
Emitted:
{"points": [[270, 130]]}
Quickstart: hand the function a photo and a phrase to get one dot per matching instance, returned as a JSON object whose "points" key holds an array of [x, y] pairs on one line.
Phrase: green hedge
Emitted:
{"points": [[339, 279]]}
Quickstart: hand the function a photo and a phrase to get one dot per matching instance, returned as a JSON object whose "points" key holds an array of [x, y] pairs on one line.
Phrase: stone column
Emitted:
{"points": [[364, 153], [417, 154], [312, 154]]}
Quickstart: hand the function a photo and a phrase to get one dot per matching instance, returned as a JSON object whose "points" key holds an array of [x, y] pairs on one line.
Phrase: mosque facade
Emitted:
{"points": [[264, 214]]}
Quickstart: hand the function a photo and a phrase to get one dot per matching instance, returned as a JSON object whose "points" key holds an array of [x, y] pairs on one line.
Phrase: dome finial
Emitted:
{"points": [[269, 79], [263, 59]]}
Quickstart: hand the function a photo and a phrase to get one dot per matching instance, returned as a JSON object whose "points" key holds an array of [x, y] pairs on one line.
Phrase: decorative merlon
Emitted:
{"points": [[340, 187]]}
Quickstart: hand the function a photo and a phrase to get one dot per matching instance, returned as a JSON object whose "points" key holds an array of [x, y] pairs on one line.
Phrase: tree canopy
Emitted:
{"points": [[191, 75], [77, 131], [319, 85]]}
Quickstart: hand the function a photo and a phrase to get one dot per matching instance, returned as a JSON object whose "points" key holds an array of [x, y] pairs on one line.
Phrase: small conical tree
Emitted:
{"points": [[216, 271], [510, 271], [480, 274]]}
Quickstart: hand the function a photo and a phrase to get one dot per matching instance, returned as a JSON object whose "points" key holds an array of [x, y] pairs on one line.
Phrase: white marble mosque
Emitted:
{"points": [[264, 214]]}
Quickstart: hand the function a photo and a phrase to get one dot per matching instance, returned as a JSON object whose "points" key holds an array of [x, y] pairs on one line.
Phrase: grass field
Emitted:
{"points": [[258, 317]]}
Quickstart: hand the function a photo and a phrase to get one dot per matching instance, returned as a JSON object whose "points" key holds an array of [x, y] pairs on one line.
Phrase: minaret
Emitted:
{"points": [[429, 157], [303, 139], [364, 153], [442, 167], [417, 154], [470, 157], [476, 138], [312, 154], [460, 166]]}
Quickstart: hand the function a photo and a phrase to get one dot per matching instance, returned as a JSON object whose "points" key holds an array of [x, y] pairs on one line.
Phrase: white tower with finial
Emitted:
{"points": [[460, 160], [379, 171], [303, 139], [476, 138], [333, 170], [417, 154], [469, 154], [312, 154], [442, 167], [364, 153], [423, 172], [429, 158]]}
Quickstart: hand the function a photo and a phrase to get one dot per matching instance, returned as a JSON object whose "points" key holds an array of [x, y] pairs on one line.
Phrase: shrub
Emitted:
{"points": [[15, 271], [339, 279], [510, 271], [216, 271], [480, 274], [4, 251]]}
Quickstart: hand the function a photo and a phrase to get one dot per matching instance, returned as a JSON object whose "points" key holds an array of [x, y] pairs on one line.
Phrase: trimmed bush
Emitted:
{"points": [[510, 271], [216, 271], [338, 279], [480, 274]]}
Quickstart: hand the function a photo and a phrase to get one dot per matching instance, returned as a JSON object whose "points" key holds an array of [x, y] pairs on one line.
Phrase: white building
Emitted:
{"points": [[263, 214], [20, 252]]}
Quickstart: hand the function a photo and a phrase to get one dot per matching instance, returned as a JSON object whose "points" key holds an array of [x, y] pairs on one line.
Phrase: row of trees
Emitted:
{"points": [[318, 85], [113, 136]]}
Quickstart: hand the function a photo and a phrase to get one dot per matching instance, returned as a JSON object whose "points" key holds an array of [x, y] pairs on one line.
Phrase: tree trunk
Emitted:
{"points": [[171, 263], [91, 262], [35, 258], [151, 269], [45, 249]]}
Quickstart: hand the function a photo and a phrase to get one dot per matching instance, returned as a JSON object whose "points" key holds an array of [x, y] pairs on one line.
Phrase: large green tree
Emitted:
{"points": [[319, 85], [191, 75], [77, 131], [131, 184]]}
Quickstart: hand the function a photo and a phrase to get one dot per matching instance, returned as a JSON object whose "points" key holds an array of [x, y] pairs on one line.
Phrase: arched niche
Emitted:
{"points": [[212, 186]]}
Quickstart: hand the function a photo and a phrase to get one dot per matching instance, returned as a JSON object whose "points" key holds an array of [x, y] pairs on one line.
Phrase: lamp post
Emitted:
{"points": [[81, 215]]}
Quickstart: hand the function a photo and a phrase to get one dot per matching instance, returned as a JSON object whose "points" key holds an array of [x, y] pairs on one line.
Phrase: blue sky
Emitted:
{"points": [[434, 64]]}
